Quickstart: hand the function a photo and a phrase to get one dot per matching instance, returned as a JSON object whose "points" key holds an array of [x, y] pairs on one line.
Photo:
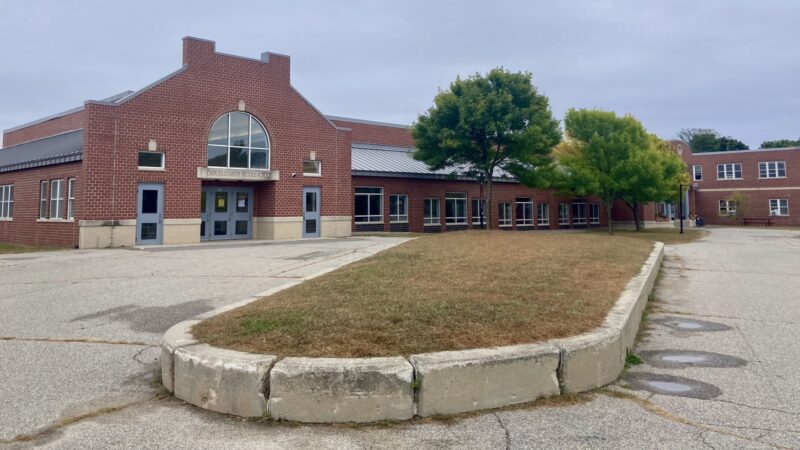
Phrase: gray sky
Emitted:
{"points": [[729, 65]]}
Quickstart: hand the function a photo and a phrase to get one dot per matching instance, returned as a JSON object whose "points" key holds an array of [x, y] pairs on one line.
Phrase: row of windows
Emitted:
{"points": [[777, 207], [733, 171], [60, 192], [369, 209]]}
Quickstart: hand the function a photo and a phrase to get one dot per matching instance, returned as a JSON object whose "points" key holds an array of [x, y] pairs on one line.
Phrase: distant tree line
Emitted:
{"points": [[780, 143], [703, 140]]}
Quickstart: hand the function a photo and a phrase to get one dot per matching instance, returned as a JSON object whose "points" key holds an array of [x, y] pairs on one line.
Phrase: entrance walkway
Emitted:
{"points": [[721, 351]]}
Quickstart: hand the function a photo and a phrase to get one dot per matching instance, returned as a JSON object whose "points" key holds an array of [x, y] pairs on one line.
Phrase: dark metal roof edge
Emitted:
{"points": [[49, 161]]}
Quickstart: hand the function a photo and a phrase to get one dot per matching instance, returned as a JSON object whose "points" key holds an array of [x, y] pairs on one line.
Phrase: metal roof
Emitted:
{"points": [[57, 149], [383, 160]]}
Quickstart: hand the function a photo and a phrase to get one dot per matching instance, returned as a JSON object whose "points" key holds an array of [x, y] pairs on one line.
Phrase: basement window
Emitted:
{"points": [[312, 168]]}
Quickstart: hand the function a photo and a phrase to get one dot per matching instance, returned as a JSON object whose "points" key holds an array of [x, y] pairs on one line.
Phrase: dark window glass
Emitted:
{"points": [[238, 157], [149, 231], [151, 159], [220, 227], [311, 226], [375, 207], [203, 202], [362, 208], [149, 201], [258, 159], [203, 228], [241, 226], [219, 132], [242, 201], [217, 156], [240, 130], [221, 202], [311, 201]]}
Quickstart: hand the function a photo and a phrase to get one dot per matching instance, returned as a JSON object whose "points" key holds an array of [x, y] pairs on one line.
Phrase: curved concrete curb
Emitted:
{"points": [[373, 389]]}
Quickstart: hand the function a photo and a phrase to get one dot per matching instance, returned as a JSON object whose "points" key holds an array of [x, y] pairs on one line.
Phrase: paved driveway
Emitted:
{"points": [[722, 370]]}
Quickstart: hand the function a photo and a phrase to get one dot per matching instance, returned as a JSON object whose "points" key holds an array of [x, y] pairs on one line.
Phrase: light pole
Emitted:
{"points": [[480, 199], [680, 204]]}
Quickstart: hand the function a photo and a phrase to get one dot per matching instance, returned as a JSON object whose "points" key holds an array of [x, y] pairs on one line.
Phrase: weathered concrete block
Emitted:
{"points": [[459, 381], [222, 380], [590, 360], [341, 389], [177, 336]]}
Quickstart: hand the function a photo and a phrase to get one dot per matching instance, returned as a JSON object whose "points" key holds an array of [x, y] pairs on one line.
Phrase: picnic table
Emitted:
{"points": [[747, 221]]}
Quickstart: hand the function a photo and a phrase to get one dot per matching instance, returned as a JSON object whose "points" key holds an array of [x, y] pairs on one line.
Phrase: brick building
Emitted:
{"points": [[225, 148], [768, 178]]}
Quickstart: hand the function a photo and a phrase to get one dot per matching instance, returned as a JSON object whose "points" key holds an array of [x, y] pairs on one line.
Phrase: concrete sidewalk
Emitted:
{"points": [[721, 370]]}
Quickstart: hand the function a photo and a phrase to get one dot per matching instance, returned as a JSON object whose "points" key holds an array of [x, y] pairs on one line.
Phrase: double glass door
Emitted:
{"points": [[226, 213]]}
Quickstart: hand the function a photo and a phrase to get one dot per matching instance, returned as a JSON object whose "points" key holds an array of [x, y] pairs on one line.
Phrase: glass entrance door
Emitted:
{"points": [[226, 213], [311, 213]]}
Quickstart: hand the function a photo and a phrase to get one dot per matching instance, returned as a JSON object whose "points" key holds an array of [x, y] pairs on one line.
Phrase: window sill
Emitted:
{"points": [[6, 219], [730, 179], [153, 169], [772, 178], [432, 224], [525, 225], [505, 226], [317, 175], [543, 224], [56, 220], [398, 221], [368, 223]]}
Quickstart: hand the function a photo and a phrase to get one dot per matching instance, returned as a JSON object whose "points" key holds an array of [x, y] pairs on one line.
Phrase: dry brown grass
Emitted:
{"points": [[10, 249], [670, 236], [451, 291]]}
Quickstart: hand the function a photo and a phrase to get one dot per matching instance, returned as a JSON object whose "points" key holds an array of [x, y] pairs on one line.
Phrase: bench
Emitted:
{"points": [[747, 221]]}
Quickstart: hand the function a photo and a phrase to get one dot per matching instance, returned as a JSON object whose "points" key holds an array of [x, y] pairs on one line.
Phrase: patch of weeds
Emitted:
{"points": [[632, 359], [285, 321]]}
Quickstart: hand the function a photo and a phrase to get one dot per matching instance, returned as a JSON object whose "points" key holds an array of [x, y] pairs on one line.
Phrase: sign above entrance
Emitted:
{"points": [[213, 173]]}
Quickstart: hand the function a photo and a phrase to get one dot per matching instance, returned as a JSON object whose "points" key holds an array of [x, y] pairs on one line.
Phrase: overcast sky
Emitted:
{"points": [[729, 65]]}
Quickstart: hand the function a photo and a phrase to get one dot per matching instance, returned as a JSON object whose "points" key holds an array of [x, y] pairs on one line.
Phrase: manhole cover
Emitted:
{"points": [[677, 359], [686, 324], [672, 385]]}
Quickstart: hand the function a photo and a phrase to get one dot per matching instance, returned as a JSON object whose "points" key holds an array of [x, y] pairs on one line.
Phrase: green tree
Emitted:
{"points": [[727, 143], [742, 204], [702, 140], [780, 143], [484, 123]]}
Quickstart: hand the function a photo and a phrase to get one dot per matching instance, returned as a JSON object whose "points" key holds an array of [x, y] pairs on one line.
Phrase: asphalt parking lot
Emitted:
{"points": [[79, 331]]}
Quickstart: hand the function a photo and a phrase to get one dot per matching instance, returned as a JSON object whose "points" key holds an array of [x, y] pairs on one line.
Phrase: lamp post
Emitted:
{"points": [[680, 204], [480, 199]]}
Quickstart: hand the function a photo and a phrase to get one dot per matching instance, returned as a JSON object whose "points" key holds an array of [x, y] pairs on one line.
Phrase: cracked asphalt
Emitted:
{"points": [[64, 384]]}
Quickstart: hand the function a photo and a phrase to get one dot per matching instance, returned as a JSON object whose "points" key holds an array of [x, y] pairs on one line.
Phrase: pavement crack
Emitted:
{"points": [[505, 430], [763, 408], [705, 441], [744, 427], [715, 428], [138, 354], [76, 341]]}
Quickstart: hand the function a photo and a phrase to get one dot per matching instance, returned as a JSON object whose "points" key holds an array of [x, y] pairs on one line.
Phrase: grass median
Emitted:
{"points": [[452, 291]]}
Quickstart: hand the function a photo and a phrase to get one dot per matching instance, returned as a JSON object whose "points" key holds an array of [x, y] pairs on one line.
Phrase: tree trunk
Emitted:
{"points": [[634, 207], [487, 210], [608, 216]]}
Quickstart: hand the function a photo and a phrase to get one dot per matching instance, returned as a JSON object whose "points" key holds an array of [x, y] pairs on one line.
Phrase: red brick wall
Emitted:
{"points": [[26, 228], [420, 189], [58, 125], [378, 134], [705, 196], [179, 112]]}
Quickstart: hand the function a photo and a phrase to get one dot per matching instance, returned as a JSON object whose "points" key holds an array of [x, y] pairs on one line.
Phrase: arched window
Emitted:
{"points": [[238, 140]]}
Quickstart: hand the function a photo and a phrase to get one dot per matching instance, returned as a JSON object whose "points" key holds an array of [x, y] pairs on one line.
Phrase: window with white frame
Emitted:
{"points": [[579, 213], [431, 212], [779, 207], [772, 169], [57, 199], [594, 213], [505, 218], [455, 208], [731, 171], [7, 201], [477, 207], [43, 200], [369, 205], [727, 208], [542, 214], [71, 198], [563, 213], [398, 208], [697, 172], [312, 168], [151, 160], [524, 211], [238, 140]]}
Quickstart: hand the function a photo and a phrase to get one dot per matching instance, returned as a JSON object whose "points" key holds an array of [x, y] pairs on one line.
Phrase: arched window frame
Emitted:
{"points": [[252, 120]]}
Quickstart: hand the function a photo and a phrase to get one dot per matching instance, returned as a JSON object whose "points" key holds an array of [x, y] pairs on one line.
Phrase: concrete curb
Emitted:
{"points": [[373, 389]]}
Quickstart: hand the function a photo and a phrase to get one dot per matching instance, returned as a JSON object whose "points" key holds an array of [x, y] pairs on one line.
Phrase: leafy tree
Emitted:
{"points": [[742, 202], [488, 122], [780, 143], [615, 158], [703, 140]]}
